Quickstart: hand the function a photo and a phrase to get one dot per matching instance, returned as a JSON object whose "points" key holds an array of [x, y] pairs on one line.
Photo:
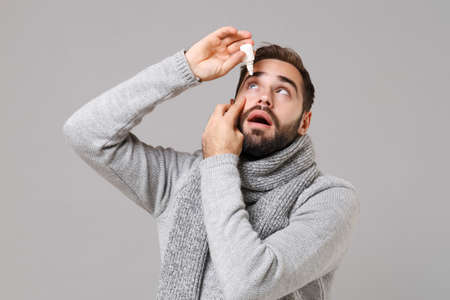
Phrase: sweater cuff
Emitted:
{"points": [[183, 68], [219, 160]]}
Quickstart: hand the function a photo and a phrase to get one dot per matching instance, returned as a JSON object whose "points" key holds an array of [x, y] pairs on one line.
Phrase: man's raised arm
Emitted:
{"points": [[99, 131]]}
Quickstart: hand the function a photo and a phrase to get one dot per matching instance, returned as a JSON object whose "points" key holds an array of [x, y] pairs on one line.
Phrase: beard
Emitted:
{"points": [[257, 144]]}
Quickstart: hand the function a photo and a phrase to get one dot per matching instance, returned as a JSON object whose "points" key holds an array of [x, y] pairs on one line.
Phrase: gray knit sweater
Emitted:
{"points": [[304, 254]]}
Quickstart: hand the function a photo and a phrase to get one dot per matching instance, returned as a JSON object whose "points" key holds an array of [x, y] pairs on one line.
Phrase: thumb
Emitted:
{"points": [[232, 61]]}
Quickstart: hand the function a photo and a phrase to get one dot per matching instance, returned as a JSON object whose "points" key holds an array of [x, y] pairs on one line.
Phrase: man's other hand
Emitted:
{"points": [[217, 53], [221, 134]]}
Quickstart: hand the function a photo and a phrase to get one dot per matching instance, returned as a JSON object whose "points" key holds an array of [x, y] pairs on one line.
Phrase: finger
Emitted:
{"points": [[215, 38], [245, 33], [232, 61], [221, 109], [236, 45], [235, 110], [240, 35], [225, 31]]}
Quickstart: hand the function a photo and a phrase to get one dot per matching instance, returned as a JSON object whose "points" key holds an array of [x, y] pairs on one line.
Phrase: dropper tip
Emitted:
{"points": [[250, 68]]}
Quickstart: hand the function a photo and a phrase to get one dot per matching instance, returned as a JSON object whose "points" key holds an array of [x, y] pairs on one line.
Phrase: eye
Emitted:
{"points": [[286, 92], [251, 84]]}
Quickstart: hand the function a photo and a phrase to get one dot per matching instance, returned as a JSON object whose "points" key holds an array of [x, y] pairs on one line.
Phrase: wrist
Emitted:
{"points": [[189, 61]]}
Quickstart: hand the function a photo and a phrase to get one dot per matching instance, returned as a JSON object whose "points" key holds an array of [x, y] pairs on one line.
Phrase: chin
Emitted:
{"points": [[253, 127], [258, 133]]}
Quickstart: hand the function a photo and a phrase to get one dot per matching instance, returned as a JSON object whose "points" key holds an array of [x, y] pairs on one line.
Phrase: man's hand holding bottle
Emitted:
{"points": [[217, 53]]}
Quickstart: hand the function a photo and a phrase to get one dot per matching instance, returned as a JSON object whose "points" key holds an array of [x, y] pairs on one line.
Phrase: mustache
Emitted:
{"points": [[263, 108]]}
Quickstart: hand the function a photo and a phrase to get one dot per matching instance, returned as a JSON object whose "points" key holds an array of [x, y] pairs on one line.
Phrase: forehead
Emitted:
{"points": [[275, 67]]}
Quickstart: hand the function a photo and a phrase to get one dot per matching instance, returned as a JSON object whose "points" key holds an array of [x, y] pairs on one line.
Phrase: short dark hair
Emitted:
{"points": [[290, 56]]}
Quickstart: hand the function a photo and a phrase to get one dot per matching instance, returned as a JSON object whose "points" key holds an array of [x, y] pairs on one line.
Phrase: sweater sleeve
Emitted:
{"points": [[99, 132], [247, 267]]}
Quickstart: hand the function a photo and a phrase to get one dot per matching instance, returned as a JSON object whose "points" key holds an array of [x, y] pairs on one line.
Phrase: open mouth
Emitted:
{"points": [[259, 118]]}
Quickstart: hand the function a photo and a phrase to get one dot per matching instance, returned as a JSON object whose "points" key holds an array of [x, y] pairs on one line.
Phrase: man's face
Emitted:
{"points": [[274, 91]]}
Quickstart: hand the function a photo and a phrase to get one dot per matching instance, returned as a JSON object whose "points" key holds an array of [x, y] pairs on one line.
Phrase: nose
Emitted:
{"points": [[265, 100]]}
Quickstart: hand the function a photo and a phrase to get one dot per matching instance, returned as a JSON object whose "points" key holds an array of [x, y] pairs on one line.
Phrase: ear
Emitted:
{"points": [[304, 124]]}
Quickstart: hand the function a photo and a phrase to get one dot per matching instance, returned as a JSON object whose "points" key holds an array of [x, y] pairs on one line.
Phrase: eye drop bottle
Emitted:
{"points": [[249, 57]]}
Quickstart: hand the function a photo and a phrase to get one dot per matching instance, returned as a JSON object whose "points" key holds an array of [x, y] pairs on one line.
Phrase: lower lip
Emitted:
{"points": [[259, 124]]}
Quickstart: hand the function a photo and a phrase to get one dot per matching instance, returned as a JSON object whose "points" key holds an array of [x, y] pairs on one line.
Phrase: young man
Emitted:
{"points": [[248, 216]]}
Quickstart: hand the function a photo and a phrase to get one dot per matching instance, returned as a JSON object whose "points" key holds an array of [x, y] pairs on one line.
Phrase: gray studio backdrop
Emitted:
{"points": [[380, 120]]}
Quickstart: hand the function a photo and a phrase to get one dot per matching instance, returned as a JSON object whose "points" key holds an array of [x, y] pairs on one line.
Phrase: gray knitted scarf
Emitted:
{"points": [[270, 188]]}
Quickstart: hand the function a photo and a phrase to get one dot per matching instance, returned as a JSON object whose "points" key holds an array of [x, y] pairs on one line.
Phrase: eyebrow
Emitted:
{"points": [[280, 77]]}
